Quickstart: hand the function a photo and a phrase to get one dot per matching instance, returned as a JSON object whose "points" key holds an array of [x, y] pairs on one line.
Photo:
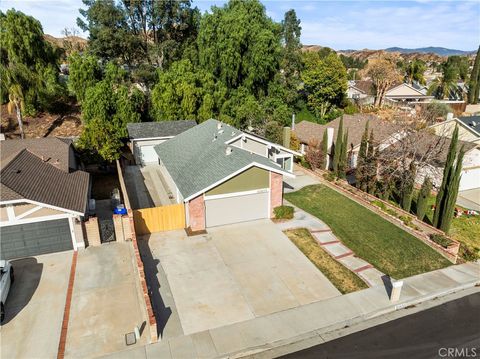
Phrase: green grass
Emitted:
{"points": [[381, 243], [342, 278]]}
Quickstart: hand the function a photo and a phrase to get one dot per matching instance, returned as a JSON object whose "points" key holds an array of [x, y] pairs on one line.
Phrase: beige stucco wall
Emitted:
{"points": [[251, 179], [3, 214], [251, 145]]}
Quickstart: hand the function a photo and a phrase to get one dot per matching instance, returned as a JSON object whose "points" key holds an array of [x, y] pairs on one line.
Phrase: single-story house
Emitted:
{"points": [[363, 92], [310, 132], [224, 175], [43, 197], [144, 136], [468, 128]]}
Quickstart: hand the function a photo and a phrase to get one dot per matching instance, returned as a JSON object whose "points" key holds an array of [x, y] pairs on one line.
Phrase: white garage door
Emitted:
{"points": [[226, 210], [148, 154]]}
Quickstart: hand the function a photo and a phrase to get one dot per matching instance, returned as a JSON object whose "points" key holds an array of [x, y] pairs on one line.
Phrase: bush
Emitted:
{"points": [[441, 240], [469, 254], [379, 204], [304, 163], [283, 212], [329, 176], [391, 212], [351, 109]]}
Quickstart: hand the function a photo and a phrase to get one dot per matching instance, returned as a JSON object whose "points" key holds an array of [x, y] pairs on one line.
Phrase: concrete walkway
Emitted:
{"points": [[311, 323], [325, 237]]}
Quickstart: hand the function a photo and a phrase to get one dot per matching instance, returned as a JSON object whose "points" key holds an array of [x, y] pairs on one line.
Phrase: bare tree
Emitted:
{"points": [[314, 155]]}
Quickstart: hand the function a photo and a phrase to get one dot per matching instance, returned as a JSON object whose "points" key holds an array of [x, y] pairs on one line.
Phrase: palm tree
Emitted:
{"points": [[443, 86], [414, 72], [17, 101]]}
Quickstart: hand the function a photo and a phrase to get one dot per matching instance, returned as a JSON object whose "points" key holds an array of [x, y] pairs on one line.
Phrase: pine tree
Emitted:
{"points": [[474, 83], [422, 199], [451, 194], [362, 155], [446, 180], [324, 148], [407, 188], [338, 147]]}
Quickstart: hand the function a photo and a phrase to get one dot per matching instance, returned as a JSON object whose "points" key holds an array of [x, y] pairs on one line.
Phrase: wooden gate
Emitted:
{"points": [[158, 219]]}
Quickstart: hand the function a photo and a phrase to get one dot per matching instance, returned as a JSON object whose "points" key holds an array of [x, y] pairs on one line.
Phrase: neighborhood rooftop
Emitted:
{"points": [[27, 176], [158, 129], [199, 157], [472, 122], [354, 124]]}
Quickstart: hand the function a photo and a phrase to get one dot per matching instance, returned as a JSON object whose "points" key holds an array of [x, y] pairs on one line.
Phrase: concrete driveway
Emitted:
{"points": [[234, 273], [106, 303], [35, 305]]}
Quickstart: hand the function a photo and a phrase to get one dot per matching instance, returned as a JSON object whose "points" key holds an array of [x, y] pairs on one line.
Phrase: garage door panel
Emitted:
{"points": [[234, 209], [32, 239]]}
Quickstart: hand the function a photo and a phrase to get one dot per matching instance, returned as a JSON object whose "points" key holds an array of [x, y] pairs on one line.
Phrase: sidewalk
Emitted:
{"points": [[327, 240], [310, 321]]}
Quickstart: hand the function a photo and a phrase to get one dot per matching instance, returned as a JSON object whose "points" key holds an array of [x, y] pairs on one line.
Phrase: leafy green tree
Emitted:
{"points": [[414, 71], [292, 60], [28, 65], [474, 82], [338, 147], [108, 106], [447, 193], [240, 45], [422, 199], [84, 72], [184, 92], [325, 82]]}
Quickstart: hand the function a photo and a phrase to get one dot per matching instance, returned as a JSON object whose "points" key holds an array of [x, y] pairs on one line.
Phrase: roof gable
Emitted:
{"points": [[404, 90], [197, 158], [141, 130], [472, 123]]}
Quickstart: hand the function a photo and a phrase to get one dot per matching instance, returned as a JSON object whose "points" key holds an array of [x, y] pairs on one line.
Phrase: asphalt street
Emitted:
{"points": [[451, 330]]}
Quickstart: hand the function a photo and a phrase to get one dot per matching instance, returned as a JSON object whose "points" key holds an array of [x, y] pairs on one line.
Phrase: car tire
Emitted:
{"points": [[2, 314], [12, 275]]}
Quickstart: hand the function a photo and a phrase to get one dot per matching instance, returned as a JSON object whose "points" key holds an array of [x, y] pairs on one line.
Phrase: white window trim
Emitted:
{"points": [[236, 194], [25, 200], [265, 142], [29, 212]]}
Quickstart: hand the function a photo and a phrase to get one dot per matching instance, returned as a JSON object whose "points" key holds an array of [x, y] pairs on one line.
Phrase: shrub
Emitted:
{"points": [[329, 176], [283, 212], [469, 254], [351, 109], [441, 240], [379, 204], [304, 163], [391, 212]]}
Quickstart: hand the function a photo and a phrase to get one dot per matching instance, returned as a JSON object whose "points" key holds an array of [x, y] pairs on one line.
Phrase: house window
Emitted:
{"points": [[285, 162]]}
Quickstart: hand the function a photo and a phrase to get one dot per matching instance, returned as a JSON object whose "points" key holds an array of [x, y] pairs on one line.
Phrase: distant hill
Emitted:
{"points": [[441, 51]]}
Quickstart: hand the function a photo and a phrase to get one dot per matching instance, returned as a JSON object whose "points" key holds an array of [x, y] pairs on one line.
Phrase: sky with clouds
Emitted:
{"points": [[337, 24]]}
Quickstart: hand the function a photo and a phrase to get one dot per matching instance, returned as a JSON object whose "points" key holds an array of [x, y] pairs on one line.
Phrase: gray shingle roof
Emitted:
{"points": [[28, 176], [158, 129], [472, 122], [196, 161]]}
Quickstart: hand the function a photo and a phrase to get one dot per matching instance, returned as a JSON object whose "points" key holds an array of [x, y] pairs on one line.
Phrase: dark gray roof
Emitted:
{"points": [[196, 159], [472, 122], [158, 129], [28, 176]]}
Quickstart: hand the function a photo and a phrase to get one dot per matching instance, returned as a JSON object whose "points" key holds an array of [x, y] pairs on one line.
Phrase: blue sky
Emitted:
{"points": [[337, 24]]}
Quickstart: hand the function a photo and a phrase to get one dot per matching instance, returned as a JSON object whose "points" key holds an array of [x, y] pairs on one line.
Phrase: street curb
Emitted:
{"points": [[315, 336]]}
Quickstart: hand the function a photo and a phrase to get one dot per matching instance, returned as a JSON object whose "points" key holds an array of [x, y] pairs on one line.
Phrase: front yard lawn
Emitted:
{"points": [[345, 280], [381, 243]]}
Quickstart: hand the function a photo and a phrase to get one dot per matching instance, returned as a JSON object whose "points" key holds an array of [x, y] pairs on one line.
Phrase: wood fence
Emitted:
{"points": [[158, 219]]}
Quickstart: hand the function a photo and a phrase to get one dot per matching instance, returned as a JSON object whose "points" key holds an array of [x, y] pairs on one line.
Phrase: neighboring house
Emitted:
{"points": [[224, 175], [364, 93], [468, 128], [43, 197], [309, 132], [145, 135]]}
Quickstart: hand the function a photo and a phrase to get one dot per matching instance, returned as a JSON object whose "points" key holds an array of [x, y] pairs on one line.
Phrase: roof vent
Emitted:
{"points": [[228, 150], [233, 133], [214, 137], [220, 131], [219, 125], [473, 123]]}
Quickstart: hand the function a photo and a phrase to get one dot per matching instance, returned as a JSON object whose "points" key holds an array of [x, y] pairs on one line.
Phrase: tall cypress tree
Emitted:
{"points": [[451, 194], [361, 160], [422, 199], [324, 149], [474, 82], [447, 181], [338, 147], [371, 165], [342, 165], [407, 188]]}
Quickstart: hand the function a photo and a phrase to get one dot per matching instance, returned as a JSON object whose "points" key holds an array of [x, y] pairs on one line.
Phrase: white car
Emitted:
{"points": [[7, 278]]}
